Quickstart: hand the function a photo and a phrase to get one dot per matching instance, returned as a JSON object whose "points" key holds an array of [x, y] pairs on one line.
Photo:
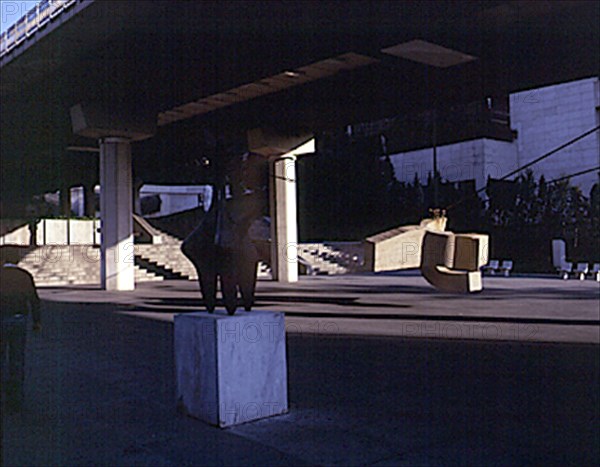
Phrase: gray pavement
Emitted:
{"points": [[383, 370]]}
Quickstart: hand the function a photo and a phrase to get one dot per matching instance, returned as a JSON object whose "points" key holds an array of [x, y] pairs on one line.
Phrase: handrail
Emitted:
{"points": [[33, 20]]}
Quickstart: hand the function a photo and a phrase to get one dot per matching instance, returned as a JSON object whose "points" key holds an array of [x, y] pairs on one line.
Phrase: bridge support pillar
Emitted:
{"points": [[284, 225], [283, 204], [89, 200], [282, 151], [114, 125], [116, 195], [64, 199]]}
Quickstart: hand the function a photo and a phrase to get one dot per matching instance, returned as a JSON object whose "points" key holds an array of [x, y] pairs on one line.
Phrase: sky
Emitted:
{"points": [[13, 10]]}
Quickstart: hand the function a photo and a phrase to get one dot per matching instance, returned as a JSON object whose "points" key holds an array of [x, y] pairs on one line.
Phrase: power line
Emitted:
{"points": [[548, 154], [529, 164], [576, 174]]}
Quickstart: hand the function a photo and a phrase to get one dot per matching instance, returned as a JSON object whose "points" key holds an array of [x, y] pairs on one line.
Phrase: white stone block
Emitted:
{"points": [[40, 232], [231, 369], [97, 232], [56, 232], [81, 232]]}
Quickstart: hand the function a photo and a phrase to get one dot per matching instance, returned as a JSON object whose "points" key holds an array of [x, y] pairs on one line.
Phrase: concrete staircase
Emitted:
{"points": [[57, 265], [166, 259], [54, 265], [333, 258], [264, 271]]}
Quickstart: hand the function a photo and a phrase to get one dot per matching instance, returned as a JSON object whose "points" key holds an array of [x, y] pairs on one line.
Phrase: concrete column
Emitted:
{"points": [[284, 225], [64, 197], [89, 200], [282, 151], [116, 195], [137, 205]]}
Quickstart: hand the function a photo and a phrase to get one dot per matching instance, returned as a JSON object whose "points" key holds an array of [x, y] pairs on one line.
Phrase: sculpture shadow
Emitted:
{"points": [[184, 304]]}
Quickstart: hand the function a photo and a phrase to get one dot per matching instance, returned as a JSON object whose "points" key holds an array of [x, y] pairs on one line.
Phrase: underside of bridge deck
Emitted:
{"points": [[213, 58]]}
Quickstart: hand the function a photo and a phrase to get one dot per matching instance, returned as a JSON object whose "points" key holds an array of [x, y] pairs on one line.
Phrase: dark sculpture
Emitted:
{"points": [[220, 246]]}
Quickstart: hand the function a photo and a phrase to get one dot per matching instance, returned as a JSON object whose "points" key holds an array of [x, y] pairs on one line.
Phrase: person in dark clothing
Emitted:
{"points": [[18, 297]]}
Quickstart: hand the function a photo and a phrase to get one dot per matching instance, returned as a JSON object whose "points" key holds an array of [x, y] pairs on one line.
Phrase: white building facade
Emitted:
{"points": [[546, 118], [177, 198], [543, 119]]}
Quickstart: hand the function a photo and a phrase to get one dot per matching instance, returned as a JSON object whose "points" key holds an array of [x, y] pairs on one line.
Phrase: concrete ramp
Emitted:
{"points": [[399, 248]]}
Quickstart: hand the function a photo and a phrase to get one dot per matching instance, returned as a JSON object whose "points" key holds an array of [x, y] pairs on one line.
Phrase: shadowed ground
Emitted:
{"points": [[100, 379]]}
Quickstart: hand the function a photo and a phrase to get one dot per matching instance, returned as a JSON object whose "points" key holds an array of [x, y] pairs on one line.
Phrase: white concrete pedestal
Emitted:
{"points": [[231, 369]]}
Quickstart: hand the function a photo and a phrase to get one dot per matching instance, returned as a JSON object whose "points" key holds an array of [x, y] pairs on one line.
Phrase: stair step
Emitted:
{"points": [[328, 259]]}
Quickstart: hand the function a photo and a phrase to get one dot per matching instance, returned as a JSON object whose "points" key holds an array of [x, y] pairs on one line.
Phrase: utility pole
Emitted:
{"points": [[435, 162]]}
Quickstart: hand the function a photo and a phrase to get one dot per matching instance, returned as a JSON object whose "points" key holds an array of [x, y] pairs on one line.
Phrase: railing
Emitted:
{"points": [[34, 20]]}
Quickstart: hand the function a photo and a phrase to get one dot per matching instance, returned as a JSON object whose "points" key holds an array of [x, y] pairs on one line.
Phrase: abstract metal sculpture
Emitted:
{"points": [[220, 246]]}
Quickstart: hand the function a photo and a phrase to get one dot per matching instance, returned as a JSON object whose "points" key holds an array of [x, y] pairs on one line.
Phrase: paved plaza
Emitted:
{"points": [[541, 309], [382, 370]]}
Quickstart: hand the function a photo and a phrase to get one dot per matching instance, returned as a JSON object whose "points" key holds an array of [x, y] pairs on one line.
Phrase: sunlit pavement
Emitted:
{"points": [[403, 305], [383, 370]]}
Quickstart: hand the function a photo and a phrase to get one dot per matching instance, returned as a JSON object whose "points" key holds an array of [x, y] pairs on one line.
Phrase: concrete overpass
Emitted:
{"points": [[145, 80]]}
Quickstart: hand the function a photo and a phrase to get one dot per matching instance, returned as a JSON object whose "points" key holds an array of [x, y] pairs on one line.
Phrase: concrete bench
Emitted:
{"points": [[506, 267], [492, 267], [565, 270], [559, 258], [581, 270], [596, 271]]}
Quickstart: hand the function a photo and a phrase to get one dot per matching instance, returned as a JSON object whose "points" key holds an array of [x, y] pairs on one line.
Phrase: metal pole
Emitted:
{"points": [[435, 162]]}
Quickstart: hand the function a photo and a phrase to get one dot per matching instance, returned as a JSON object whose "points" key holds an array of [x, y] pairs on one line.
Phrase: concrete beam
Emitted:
{"points": [[99, 120], [270, 143]]}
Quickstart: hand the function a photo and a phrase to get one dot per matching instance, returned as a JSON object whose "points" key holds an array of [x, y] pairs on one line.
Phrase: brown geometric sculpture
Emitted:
{"points": [[451, 262], [448, 261], [400, 248]]}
